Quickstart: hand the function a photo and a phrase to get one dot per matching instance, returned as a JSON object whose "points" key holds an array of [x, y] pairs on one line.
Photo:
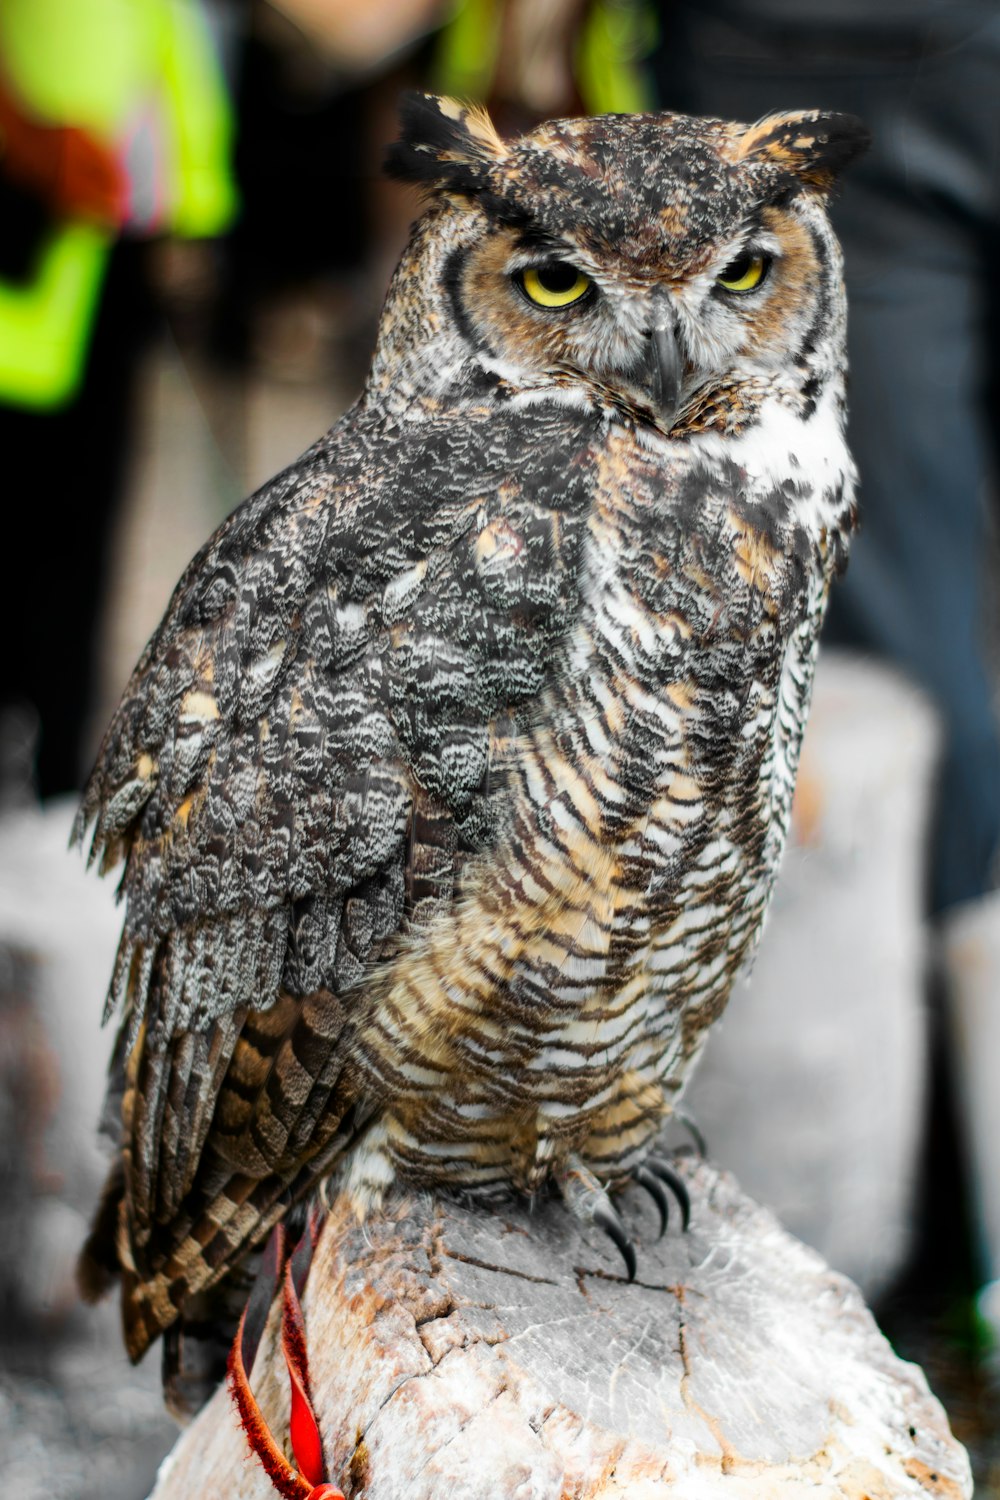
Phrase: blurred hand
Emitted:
{"points": [[361, 37], [73, 174]]}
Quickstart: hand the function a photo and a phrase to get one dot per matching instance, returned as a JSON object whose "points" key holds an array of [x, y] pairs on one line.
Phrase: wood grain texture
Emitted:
{"points": [[465, 1355]]}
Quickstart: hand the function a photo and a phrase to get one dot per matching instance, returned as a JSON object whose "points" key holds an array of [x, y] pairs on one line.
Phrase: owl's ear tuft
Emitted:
{"points": [[443, 144], [813, 145]]}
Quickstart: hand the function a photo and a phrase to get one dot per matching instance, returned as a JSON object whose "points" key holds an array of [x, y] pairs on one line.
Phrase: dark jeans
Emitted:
{"points": [[920, 222]]}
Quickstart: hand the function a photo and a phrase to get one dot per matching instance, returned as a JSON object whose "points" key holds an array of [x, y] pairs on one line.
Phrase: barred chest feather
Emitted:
{"points": [[560, 1007]]}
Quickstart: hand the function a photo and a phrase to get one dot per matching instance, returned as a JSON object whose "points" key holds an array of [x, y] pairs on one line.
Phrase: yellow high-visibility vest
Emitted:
{"points": [[119, 69]]}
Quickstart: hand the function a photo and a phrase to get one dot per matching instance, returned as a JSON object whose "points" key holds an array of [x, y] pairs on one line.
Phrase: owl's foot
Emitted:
{"points": [[588, 1201]]}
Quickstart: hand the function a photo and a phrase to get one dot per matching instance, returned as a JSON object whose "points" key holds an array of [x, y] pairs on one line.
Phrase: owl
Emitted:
{"points": [[451, 790]]}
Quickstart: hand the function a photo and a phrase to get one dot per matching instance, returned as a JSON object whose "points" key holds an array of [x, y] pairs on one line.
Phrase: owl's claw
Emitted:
{"points": [[693, 1129], [587, 1201], [610, 1221], [654, 1187], [658, 1168]]}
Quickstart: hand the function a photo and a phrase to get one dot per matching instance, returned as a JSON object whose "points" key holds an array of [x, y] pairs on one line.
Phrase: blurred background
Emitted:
{"points": [[194, 243]]}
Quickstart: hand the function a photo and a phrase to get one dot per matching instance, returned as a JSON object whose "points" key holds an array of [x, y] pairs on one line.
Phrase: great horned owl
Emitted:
{"points": [[452, 787]]}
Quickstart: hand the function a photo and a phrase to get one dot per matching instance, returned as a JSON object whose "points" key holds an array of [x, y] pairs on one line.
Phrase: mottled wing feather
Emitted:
{"points": [[210, 1056], [300, 761]]}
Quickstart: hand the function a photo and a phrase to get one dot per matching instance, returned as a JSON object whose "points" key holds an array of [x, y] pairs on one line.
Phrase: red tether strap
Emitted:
{"points": [[308, 1481]]}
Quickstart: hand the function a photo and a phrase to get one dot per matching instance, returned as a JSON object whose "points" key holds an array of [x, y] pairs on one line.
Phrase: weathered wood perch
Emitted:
{"points": [[460, 1355]]}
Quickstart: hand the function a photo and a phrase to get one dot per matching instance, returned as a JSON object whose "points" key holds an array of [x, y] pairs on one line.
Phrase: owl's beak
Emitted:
{"points": [[664, 368]]}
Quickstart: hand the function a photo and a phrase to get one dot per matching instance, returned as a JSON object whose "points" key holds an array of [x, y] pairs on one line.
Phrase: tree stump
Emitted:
{"points": [[458, 1354]]}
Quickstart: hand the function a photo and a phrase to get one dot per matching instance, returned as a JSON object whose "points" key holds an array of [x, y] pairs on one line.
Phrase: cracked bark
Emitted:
{"points": [[458, 1355]]}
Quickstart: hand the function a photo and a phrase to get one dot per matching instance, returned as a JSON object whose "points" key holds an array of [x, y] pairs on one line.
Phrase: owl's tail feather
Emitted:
{"points": [[196, 1346], [98, 1265], [239, 1218]]}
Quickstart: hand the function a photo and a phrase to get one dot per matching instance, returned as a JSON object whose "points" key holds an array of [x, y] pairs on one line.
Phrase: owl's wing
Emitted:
{"points": [[301, 757]]}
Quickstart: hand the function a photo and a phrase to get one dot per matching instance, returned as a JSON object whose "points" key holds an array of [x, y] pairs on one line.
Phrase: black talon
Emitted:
{"points": [[654, 1188], [694, 1131], [615, 1229], [665, 1173]]}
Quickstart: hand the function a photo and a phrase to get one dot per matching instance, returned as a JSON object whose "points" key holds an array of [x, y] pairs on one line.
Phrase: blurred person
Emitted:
{"points": [[920, 230], [289, 299], [531, 60], [114, 128]]}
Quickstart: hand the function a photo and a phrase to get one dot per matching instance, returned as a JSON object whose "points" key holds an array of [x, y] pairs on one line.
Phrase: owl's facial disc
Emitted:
{"points": [[558, 285], [544, 309], [649, 336]]}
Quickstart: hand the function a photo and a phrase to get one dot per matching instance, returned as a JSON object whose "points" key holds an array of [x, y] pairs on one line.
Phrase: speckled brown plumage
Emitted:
{"points": [[453, 785]]}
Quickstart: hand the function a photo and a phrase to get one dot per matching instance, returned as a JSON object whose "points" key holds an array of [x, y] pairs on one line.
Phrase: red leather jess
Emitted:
{"points": [[306, 1479]]}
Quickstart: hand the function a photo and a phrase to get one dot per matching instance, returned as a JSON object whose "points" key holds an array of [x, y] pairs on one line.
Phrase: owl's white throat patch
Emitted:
{"points": [[783, 442]]}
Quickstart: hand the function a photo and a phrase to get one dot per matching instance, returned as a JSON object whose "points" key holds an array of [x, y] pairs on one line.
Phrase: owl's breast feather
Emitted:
{"points": [[590, 949]]}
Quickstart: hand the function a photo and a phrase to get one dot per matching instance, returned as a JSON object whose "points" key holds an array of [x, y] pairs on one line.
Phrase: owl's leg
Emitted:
{"points": [[370, 1170], [588, 1202]]}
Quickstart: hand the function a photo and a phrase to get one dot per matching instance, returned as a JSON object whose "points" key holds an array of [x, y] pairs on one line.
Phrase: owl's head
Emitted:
{"points": [[651, 262]]}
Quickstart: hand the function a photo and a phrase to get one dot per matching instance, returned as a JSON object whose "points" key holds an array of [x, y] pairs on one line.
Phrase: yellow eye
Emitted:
{"points": [[745, 273], [555, 285]]}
